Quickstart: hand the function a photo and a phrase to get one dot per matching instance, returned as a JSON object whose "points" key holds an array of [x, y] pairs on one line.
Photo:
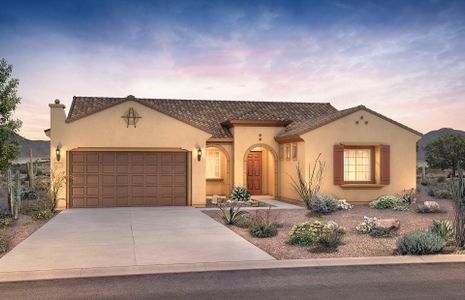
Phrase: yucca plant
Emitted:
{"points": [[443, 229], [457, 189], [308, 188], [230, 214]]}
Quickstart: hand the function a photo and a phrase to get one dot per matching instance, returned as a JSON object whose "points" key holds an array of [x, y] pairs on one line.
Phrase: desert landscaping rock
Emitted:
{"points": [[387, 224], [432, 205]]}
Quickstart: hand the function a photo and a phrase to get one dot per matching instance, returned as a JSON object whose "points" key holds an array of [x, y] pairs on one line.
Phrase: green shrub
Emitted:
{"points": [[263, 225], [382, 233], [263, 230], [305, 233], [441, 179], [431, 192], [443, 194], [3, 244], [409, 196], [420, 243], [331, 236], [323, 203], [443, 229], [243, 221], [387, 201], [231, 213], [43, 215], [424, 182], [367, 225], [239, 193]]}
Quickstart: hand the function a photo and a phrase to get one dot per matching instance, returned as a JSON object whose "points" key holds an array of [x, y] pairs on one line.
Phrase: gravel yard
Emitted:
{"points": [[354, 244]]}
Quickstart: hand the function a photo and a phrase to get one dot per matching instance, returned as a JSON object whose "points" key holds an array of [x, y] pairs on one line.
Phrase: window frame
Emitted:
{"points": [[372, 165], [294, 151], [218, 167], [288, 152]]}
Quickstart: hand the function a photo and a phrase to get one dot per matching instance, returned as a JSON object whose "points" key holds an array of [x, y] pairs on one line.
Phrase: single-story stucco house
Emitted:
{"points": [[152, 152]]}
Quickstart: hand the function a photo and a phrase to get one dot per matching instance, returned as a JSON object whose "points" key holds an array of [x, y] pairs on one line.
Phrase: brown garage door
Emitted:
{"points": [[109, 179]]}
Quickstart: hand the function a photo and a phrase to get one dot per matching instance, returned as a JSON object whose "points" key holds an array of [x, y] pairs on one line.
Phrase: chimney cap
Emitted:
{"points": [[57, 101]]}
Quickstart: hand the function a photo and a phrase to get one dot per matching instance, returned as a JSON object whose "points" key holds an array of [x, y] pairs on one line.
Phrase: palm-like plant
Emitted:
{"points": [[307, 188]]}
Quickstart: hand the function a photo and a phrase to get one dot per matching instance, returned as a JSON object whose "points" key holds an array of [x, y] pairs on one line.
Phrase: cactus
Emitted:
{"points": [[31, 171], [14, 193], [457, 189]]}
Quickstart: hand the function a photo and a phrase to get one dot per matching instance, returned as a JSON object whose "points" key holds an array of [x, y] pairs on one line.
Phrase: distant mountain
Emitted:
{"points": [[432, 135], [40, 149]]}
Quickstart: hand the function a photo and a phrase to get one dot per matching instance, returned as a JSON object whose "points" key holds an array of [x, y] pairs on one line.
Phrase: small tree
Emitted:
{"points": [[446, 152], [307, 188], [9, 146]]}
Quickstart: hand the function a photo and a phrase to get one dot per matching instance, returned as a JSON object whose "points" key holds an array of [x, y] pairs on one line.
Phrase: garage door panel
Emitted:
{"points": [[122, 179], [107, 179], [92, 168]]}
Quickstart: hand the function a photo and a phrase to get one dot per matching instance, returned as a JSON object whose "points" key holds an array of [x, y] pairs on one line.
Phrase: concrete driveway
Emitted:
{"points": [[112, 237]]}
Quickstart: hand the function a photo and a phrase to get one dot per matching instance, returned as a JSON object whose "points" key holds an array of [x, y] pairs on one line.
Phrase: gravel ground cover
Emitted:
{"points": [[354, 243]]}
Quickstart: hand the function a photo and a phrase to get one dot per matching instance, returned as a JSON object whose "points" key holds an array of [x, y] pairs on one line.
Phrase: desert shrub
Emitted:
{"points": [[239, 193], [344, 205], [243, 221], [409, 196], [263, 230], [431, 192], [43, 215], [306, 188], [443, 229], [441, 179], [5, 221], [323, 203], [420, 243], [387, 201], [442, 194], [231, 213], [3, 244], [424, 182], [367, 225], [263, 225], [305, 233], [29, 194], [331, 236], [382, 233]]}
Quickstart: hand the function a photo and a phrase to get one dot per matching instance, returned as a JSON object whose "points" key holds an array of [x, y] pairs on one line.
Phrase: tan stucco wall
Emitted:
{"points": [[377, 131], [106, 129], [288, 170], [246, 137], [223, 186]]}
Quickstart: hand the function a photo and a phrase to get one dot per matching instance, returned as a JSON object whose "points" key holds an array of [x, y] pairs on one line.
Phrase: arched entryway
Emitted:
{"points": [[261, 170], [218, 173]]}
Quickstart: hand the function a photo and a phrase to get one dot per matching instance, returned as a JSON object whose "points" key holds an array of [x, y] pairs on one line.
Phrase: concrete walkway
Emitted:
{"points": [[119, 237]]}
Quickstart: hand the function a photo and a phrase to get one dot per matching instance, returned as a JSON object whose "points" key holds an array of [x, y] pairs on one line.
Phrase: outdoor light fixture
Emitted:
{"points": [[199, 154], [58, 152]]}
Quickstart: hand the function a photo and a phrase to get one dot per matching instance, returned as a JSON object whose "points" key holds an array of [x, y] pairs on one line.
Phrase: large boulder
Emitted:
{"points": [[387, 224], [432, 205]]}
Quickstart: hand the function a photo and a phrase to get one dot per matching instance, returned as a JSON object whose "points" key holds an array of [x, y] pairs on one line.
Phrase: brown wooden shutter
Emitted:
{"points": [[338, 163], [385, 164]]}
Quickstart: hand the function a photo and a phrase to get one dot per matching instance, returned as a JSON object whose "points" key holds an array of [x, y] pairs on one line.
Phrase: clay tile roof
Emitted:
{"points": [[208, 115], [297, 128]]}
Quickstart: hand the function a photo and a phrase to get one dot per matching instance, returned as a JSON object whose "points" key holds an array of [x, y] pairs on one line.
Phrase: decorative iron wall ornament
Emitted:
{"points": [[131, 117]]}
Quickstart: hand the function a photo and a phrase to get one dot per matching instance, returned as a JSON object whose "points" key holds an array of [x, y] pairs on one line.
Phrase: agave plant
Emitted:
{"points": [[231, 213], [308, 188]]}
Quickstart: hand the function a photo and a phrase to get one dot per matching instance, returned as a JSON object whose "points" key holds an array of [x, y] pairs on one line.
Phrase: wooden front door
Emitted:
{"points": [[254, 173]]}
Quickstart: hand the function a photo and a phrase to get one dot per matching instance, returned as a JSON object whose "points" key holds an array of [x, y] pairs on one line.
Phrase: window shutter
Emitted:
{"points": [[385, 165], [338, 164]]}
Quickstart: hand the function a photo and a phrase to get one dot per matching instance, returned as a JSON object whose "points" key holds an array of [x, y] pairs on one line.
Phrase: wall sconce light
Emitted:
{"points": [[58, 152], [199, 154]]}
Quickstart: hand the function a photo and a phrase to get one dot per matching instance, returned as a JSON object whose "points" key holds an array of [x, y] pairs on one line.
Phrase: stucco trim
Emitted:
{"points": [[256, 123], [288, 139]]}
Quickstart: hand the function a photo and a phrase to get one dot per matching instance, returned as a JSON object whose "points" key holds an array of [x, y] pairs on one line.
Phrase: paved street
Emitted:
{"points": [[422, 281]]}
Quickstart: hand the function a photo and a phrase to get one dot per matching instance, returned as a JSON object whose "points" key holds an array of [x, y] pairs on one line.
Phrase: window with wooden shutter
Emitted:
{"points": [[385, 164]]}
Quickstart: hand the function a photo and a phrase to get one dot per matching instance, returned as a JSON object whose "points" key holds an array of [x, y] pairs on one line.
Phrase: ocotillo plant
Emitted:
{"points": [[31, 171]]}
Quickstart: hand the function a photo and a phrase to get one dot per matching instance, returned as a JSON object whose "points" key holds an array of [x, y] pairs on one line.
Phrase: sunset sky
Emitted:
{"points": [[404, 59]]}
